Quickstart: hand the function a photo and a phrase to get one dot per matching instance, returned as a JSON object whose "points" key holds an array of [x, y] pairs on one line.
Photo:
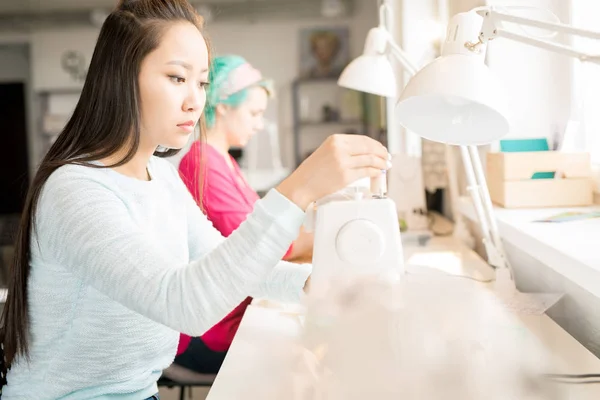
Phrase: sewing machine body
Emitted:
{"points": [[355, 237]]}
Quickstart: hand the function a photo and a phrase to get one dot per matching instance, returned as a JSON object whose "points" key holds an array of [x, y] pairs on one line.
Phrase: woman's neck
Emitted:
{"points": [[218, 140], [136, 168]]}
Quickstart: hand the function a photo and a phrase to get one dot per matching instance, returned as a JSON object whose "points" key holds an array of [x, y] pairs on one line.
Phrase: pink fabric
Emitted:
{"points": [[227, 199], [240, 78]]}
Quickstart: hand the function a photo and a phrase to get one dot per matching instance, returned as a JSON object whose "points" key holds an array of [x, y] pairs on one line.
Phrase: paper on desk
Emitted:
{"points": [[570, 216], [518, 302], [528, 303]]}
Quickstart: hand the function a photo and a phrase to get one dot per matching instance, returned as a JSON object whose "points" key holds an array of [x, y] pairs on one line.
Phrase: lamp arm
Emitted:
{"points": [[553, 47], [551, 26], [402, 57], [492, 28], [480, 196], [484, 192]]}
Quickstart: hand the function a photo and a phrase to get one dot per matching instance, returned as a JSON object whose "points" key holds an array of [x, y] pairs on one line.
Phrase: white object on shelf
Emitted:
{"points": [[261, 171], [263, 150], [261, 180]]}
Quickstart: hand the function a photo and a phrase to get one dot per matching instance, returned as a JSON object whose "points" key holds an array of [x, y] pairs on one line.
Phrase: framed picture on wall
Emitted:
{"points": [[324, 52]]}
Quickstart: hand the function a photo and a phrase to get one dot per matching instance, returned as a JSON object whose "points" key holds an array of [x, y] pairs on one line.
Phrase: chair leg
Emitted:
{"points": [[182, 393]]}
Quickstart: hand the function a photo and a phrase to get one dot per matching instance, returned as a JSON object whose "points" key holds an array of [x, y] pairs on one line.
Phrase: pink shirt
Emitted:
{"points": [[226, 199]]}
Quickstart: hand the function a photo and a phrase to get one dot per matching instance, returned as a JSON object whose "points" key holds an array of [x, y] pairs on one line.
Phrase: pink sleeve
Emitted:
{"points": [[189, 170], [224, 204]]}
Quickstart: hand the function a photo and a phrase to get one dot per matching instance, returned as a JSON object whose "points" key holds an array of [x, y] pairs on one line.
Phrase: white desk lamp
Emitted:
{"points": [[456, 99], [372, 72]]}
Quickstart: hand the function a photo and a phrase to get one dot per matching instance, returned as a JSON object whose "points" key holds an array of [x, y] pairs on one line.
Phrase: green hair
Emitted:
{"points": [[220, 69]]}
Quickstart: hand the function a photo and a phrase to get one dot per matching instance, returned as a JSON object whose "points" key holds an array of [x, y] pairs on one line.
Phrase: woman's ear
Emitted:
{"points": [[221, 110]]}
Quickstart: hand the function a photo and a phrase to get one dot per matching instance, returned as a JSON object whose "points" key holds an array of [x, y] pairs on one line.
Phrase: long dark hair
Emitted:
{"points": [[106, 120]]}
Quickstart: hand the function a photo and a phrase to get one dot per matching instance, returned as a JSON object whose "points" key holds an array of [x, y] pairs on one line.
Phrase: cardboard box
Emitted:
{"points": [[510, 182]]}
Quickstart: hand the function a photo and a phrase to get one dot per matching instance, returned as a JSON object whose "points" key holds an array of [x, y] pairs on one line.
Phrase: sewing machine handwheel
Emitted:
{"points": [[360, 242]]}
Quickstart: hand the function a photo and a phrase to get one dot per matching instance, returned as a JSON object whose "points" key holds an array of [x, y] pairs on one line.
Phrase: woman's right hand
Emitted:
{"points": [[338, 162]]}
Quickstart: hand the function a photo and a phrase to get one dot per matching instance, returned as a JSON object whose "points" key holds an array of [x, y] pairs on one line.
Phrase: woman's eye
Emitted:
{"points": [[177, 79], [204, 85]]}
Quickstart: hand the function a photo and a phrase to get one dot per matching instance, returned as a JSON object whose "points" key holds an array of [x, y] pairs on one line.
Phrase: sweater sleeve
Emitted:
{"points": [[286, 280], [88, 230]]}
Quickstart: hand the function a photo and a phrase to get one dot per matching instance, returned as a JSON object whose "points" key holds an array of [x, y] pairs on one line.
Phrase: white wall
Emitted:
{"points": [[457, 6], [47, 50], [538, 81], [15, 63], [586, 96]]}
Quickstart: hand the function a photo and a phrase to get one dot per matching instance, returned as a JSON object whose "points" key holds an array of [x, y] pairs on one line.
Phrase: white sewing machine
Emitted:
{"points": [[356, 231]]}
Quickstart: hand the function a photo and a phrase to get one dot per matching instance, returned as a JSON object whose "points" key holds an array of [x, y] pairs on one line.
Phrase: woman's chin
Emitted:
{"points": [[241, 143], [178, 143]]}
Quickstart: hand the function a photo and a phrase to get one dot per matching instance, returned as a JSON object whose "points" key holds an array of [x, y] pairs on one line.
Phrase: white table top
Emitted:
{"points": [[569, 248], [248, 374]]}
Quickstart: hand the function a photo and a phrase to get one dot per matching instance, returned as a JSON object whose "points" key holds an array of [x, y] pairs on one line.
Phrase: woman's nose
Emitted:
{"points": [[193, 101]]}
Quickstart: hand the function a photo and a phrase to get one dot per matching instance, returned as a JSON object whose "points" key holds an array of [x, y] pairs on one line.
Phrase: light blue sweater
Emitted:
{"points": [[120, 266]]}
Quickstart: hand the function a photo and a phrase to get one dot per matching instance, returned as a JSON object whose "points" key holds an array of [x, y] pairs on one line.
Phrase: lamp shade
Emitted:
{"points": [[370, 73], [456, 99]]}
